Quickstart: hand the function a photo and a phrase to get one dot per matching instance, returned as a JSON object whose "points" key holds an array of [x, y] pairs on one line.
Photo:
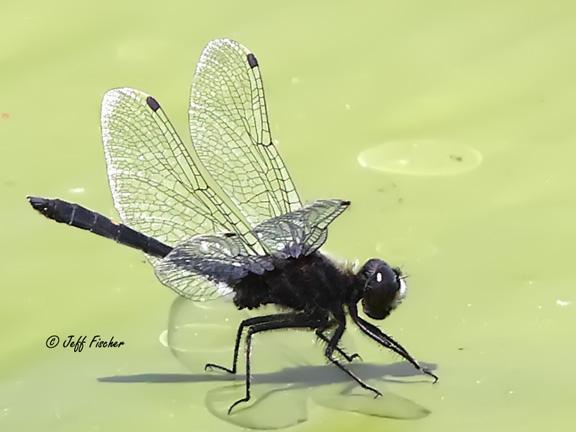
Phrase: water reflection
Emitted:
{"points": [[201, 333], [280, 399]]}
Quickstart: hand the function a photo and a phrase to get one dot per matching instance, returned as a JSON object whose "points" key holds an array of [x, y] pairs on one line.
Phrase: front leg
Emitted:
{"points": [[376, 334]]}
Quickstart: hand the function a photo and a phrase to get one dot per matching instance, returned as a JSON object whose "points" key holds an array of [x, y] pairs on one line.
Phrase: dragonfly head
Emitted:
{"points": [[383, 288]]}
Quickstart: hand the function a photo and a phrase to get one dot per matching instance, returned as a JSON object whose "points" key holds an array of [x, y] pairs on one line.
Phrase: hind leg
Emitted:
{"points": [[246, 323], [296, 320]]}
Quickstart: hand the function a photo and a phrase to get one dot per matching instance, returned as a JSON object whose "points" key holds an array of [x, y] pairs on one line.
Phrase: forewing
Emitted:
{"points": [[158, 188], [204, 267], [300, 232], [231, 133]]}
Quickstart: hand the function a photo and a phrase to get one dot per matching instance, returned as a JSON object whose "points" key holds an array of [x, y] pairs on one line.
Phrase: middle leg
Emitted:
{"points": [[329, 353], [323, 337]]}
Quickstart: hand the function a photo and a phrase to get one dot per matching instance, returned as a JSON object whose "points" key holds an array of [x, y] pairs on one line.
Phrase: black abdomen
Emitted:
{"points": [[80, 217]]}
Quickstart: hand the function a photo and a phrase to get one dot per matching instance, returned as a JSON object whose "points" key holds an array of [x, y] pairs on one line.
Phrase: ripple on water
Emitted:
{"points": [[424, 157]]}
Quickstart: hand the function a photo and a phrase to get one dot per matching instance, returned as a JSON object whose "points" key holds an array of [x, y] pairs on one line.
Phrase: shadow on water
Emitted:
{"points": [[280, 399], [305, 376]]}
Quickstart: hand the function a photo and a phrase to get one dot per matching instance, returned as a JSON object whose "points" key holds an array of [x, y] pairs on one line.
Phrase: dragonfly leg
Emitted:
{"points": [[348, 357], [245, 323], [329, 353], [296, 320], [386, 341]]}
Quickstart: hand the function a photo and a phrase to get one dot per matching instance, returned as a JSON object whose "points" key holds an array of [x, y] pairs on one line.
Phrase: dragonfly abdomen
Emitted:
{"points": [[80, 217]]}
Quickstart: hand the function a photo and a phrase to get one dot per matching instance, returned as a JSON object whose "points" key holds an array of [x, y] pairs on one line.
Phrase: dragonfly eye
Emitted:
{"points": [[383, 288]]}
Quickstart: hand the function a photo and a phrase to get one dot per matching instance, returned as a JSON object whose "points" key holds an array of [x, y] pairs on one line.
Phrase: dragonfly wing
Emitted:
{"points": [[300, 232], [157, 187], [205, 266], [231, 133]]}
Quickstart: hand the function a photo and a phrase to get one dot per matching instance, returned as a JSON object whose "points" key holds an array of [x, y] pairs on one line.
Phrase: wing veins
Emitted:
{"points": [[162, 161]]}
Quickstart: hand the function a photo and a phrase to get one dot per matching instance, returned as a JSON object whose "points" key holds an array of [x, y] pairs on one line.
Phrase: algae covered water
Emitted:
{"points": [[449, 128]]}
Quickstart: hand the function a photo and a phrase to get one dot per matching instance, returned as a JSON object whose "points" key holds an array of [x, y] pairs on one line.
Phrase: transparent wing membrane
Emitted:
{"points": [[231, 133], [203, 267], [160, 188], [300, 232], [157, 187]]}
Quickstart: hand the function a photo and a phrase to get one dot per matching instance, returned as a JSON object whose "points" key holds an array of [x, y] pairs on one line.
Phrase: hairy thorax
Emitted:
{"points": [[307, 283]]}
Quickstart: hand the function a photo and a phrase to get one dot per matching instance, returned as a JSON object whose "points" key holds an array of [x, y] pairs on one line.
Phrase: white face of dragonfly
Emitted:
{"points": [[401, 292]]}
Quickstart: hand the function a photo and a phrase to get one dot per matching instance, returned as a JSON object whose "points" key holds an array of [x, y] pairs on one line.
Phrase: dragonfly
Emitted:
{"points": [[223, 218]]}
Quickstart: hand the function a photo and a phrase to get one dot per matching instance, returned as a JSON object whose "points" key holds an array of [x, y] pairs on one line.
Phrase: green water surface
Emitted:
{"points": [[449, 125]]}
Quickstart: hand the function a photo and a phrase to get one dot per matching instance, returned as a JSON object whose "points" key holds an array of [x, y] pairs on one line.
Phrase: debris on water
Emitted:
{"points": [[423, 157], [563, 303]]}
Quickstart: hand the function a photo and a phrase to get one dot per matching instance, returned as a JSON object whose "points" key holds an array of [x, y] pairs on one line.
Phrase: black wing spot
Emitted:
{"points": [[152, 103], [252, 60]]}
